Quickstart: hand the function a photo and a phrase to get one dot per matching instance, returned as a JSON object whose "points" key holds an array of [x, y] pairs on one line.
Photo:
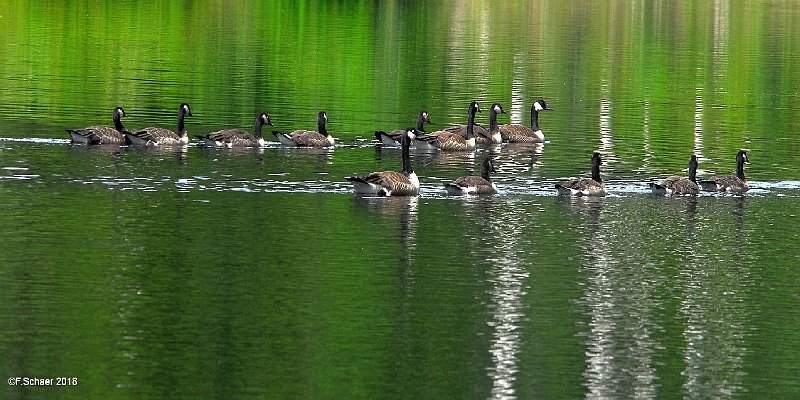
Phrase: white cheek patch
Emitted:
{"points": [[538, 106]]}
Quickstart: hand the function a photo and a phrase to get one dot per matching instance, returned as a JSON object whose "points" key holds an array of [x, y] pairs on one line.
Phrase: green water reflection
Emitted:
{"points": [[199, 273]]}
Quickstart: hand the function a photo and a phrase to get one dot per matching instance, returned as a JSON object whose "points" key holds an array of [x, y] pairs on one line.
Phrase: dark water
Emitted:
{"points": [[203, 273]]}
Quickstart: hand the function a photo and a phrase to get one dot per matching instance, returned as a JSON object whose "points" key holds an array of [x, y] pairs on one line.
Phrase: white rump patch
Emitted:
{"points": [[414, 180]]}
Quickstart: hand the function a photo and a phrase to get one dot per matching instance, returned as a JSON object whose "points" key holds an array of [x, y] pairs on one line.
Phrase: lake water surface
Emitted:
{"points": [[212, 273]]}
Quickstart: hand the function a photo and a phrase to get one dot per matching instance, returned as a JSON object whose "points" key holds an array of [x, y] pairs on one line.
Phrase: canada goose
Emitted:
{"points": [[585, 186], [678, 185], [102, 134], [390, 183], [514, 133], [393, 138], [729, 183], [304, 138], [474, 184], [163, 137], [237, 137], [452, 141], [483, 135]]}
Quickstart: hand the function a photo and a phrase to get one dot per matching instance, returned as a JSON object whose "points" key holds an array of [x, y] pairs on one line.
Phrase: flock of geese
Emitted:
{"points": [[406, 183]]}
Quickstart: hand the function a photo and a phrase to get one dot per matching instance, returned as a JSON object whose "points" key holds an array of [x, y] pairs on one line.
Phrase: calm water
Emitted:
{"points": [[203, 273]]}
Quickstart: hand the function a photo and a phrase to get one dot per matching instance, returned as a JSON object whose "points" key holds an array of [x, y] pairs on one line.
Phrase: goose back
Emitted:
{"points": [[452, 141], [729, 183], [306, 138], [593, 186], [393, 138], [390, 183], [491, 135], [96, 135], [238, 137], [474, 185], [153, 136], [515, 133], [678, 185]]}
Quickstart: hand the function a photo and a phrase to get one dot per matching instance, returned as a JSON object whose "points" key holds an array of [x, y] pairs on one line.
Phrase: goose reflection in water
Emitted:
{"points": [[179, 153], [403, 210], [618, 301], [317, 154], [714, 300], [497, 235]]}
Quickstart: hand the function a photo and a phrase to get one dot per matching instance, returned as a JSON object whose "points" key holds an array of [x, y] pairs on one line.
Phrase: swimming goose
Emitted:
{"points": [[678, 185], [304, 138], [729, 183], [390, 183], [514, 133], [238, 137], [102, 134], [483, 135], [163, 137], [474, 184], [393, 138], [585, 186], [452, 141]]}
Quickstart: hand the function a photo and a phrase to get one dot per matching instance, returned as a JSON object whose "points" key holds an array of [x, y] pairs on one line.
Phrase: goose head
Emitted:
{"points": [[409, 135], [540, 105], [184, 110], [473, 108], [425, 117], [742, 157], [119, 113], [263, 119], [497, 109]]}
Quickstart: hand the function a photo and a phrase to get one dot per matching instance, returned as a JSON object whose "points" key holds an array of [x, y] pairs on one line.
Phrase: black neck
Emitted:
{"points": [[405, 142], [740, 168], [493, 121], [534, 119], [420, 123], [321, 127], [181, 126], [693, 172], [470, 122], [259, 124], [596, 170], [485, 170], [118, 123]]}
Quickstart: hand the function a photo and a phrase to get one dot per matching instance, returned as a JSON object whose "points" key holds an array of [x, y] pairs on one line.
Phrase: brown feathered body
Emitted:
{"points": [[306, 138], [593, 186], [96, 135], [153, 136], [730, 183]]}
